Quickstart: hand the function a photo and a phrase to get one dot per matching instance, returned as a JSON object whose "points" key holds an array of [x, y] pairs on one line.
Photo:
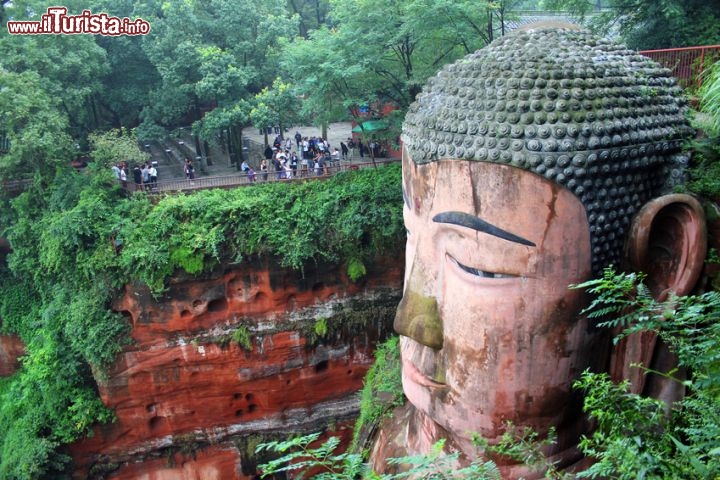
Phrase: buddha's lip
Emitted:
{"points": [[417, 377]]}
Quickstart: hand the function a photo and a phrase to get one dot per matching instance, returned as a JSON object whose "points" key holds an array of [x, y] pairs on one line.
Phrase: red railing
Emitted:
{"points": [[687, 64]]}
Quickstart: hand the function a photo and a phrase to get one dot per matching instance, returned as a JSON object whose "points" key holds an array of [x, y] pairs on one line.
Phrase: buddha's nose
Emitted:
{"points": [[417, 317]]}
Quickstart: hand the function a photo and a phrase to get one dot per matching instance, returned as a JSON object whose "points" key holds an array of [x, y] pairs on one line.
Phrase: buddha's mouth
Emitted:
{"points": [[416, 376]]}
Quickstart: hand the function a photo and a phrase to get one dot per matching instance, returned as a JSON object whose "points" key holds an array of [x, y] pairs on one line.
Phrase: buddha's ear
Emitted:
{"points": [[668, 242]]}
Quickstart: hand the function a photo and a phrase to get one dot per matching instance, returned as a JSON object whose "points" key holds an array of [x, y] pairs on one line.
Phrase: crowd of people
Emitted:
{"points": [[305, 156], [145, 175], [292, 157]]}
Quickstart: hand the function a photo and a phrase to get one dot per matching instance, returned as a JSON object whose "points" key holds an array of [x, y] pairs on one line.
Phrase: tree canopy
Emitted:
{"points": [[650, 24]]}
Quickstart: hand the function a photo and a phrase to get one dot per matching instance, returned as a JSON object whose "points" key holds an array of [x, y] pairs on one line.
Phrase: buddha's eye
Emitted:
{"points": [[480, 273]]}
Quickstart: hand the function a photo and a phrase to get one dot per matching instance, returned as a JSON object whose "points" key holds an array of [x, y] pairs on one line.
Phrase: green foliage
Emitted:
{"points": [[35, 127], [277, 105], [356, 269], [116, 146], [382, 390], [321, 327], [377, 53], [631, 440], [67, 70], [634, 437], [438, 465], [619, 296], [649, 24], [704, 171], [242, 337], [710, 98], [299, 456], [187, 258], [327, 221], [525, 446], [323, 462]]}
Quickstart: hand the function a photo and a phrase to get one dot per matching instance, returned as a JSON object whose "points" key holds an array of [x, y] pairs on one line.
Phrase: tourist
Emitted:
{"points": [[146, 176], [264, 169], [123, 176], [293, 163], [152, 171], [188, 169], [137, 177]]}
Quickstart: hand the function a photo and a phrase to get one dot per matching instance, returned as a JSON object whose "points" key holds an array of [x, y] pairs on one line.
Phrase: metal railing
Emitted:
{"points": [[14, 187], [686, 64], [243, 179]]}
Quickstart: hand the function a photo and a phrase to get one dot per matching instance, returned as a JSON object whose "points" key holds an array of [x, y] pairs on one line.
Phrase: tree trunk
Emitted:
{"points": [[198, 153], [229, 143], [206, 151], [237, 146]]}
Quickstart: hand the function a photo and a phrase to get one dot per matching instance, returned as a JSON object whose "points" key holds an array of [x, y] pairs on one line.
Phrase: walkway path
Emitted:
{"points": [[238, 179]]}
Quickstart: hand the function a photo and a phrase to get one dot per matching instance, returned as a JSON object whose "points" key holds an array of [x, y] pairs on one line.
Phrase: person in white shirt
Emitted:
{"points": [[153, 176]]}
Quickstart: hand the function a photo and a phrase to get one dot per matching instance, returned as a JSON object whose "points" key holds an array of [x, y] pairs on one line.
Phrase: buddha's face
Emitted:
{"points": [[490, 330]]}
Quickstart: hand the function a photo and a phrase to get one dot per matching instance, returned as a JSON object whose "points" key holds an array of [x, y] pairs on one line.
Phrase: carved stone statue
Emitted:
{"points": [[526, 166]]}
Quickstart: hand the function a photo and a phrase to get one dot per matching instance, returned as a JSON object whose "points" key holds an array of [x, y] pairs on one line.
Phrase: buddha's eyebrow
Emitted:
{"points": [[466, 220]]}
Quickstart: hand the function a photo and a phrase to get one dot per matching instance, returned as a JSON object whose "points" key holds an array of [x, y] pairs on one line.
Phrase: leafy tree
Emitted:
{"points": [[209, 55], [382, 388], [277, 105], [710, 99], [376, 52], [131, 76], [323, 462], [34, 125], [650, 24], [115, 146], [311, 14], [69, 67]]}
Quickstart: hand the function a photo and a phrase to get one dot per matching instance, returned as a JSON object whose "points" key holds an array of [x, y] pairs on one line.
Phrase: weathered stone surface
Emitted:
{"points": [[10, 349], [254, 350]]}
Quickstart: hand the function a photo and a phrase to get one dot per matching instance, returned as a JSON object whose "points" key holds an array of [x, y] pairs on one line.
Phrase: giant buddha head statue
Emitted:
{"points": [[529, 166]]}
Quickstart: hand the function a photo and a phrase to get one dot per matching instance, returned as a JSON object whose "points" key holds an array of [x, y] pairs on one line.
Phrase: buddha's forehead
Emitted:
{"points": [[602, 121], [478, 188]]}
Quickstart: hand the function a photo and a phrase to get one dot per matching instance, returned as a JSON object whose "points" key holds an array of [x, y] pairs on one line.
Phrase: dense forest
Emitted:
{"points": [[219, 66], [222, 65]]}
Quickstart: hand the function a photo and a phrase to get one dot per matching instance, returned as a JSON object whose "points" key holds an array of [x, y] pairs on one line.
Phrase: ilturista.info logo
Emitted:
{"points": [[57, 21]]}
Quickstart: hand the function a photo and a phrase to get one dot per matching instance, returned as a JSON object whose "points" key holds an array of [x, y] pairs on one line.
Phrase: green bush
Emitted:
{"points": [[382, 390], [634, 437]]}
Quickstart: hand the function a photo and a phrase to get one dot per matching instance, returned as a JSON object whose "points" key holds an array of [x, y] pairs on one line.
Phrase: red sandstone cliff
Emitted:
{"points": [[191, 402]]}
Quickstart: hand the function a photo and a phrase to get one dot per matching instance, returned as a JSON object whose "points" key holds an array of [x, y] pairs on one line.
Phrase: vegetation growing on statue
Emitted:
{"points": [[634, 436]]}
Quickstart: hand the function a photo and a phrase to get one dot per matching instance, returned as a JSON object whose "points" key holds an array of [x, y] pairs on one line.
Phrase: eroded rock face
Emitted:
{"points": [[252, 352], [10, 349]]}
